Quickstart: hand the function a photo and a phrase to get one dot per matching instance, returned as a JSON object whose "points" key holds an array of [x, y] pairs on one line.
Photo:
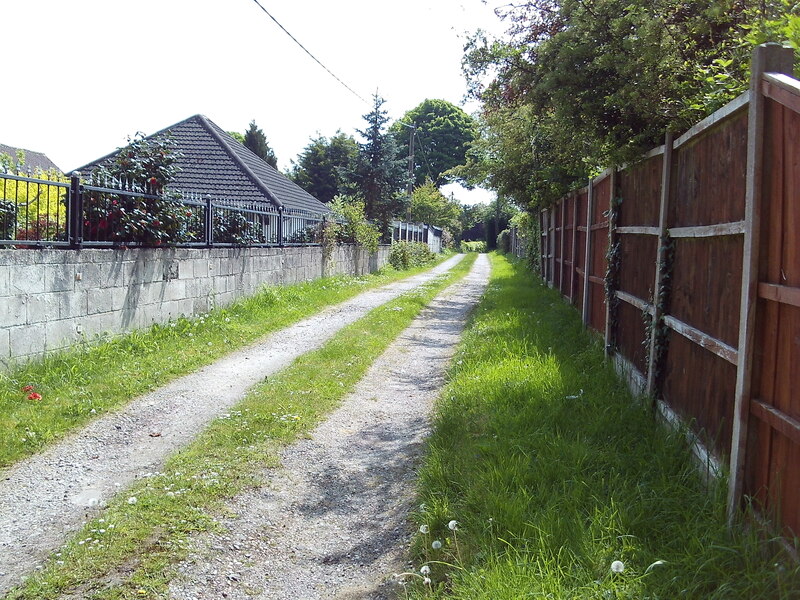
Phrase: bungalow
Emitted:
{"points": [[212, 163]]}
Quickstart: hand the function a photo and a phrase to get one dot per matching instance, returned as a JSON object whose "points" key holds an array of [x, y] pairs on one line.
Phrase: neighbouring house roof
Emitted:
{"points": [[34, 161], [215, 164]]}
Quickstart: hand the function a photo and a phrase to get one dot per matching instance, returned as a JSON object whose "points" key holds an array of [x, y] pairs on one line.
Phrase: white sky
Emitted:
{"points": [[81, 76]]}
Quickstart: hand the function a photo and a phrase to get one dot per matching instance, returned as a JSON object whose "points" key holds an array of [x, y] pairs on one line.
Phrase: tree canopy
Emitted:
{"points": [[429, 205], [255, 139], [321, 169], [577, 85], [443, 133]]}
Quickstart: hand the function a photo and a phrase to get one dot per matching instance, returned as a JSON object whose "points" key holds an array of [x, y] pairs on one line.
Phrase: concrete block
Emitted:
{"points": [[200, 267], [27, 279], [72, 304], [27, 340], [5, 347], [99, 300], [143, 271], [5, 279], [186, 269], [59, 278], [174, 290], [61, 333], [41, 308], [101, 323], [13, 311]]}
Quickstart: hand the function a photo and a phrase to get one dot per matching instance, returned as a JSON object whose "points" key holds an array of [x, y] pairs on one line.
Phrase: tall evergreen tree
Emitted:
{"points": [[255, 139], [322, 166], [380, 173]]}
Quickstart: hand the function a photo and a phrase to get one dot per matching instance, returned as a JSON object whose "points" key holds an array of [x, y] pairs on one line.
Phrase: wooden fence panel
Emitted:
{"points": [[709, 176], [773, 449], [708, 190], [599, 247], [581, 204], [706, 285], [557, 244], [640, 190], [700, 386]]}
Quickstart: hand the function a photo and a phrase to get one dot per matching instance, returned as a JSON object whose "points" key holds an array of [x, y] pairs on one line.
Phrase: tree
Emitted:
{"points": [[322, 166], [255, 139], [379, 174], [239, 137], [443, 133], [578, 85], [429, 205]]}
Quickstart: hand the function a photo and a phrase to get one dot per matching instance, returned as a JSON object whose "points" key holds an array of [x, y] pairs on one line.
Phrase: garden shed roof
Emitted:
{"points": [[213, 163]]}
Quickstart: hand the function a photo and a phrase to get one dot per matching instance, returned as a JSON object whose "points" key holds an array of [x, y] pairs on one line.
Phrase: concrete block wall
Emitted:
{"points": [[51, 299]]}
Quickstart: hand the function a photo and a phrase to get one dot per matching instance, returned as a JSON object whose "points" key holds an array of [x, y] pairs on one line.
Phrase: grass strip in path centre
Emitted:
{"points": [[43, 400], [129, 550], [545, 478]]}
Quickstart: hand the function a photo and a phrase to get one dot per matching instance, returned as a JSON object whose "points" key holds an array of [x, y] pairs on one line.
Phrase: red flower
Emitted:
{"points": [[27, 388], [153, 181], [34, 396]]}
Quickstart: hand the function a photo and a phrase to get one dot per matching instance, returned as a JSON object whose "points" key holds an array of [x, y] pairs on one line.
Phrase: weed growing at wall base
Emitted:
{"points": [[562, 484]]}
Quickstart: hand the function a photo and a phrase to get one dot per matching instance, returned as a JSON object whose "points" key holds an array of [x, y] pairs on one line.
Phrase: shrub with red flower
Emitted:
{"points": [[154, 216]]}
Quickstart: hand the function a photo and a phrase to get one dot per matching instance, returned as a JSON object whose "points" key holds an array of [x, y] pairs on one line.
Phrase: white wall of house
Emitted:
{"points": [[52, 299]]}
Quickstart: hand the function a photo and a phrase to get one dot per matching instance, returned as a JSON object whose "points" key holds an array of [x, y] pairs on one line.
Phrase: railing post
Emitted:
{"points": [[766, 58], [75, 207], [208, 225], [280, 226]]}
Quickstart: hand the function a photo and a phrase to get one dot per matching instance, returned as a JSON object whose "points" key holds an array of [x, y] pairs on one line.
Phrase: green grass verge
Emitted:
{"points": [[554, 472], [128, 551], [82, 383]]}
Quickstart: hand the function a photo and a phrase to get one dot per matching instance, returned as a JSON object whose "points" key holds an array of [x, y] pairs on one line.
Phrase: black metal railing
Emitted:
{"points": [[108, 213], [75, 213]]}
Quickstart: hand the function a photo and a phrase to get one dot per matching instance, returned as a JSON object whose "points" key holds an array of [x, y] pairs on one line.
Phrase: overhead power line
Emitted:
{"points": [[294, 39]]}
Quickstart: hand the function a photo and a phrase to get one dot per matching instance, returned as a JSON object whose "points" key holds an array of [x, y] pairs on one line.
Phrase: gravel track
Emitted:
{"points": [[332, 521], [48, 496]]}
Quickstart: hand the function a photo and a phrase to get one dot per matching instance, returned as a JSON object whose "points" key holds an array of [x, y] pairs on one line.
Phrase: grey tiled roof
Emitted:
{"points": [[34, 161], [215, 164]]}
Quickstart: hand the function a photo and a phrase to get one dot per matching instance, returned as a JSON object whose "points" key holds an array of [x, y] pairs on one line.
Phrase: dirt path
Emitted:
{"points": [[332, 522], [48, 496]]}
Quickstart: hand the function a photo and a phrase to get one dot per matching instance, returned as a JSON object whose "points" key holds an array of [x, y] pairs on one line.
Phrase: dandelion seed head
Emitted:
{"points": [[427, 581], [132, 500], [425, 570], [452, 525], [436, 544], [617, 566], [423, 529]]}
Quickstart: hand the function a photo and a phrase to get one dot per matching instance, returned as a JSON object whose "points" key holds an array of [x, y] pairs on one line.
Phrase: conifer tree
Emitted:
{"points": [[380, 173], [255, 140]]}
